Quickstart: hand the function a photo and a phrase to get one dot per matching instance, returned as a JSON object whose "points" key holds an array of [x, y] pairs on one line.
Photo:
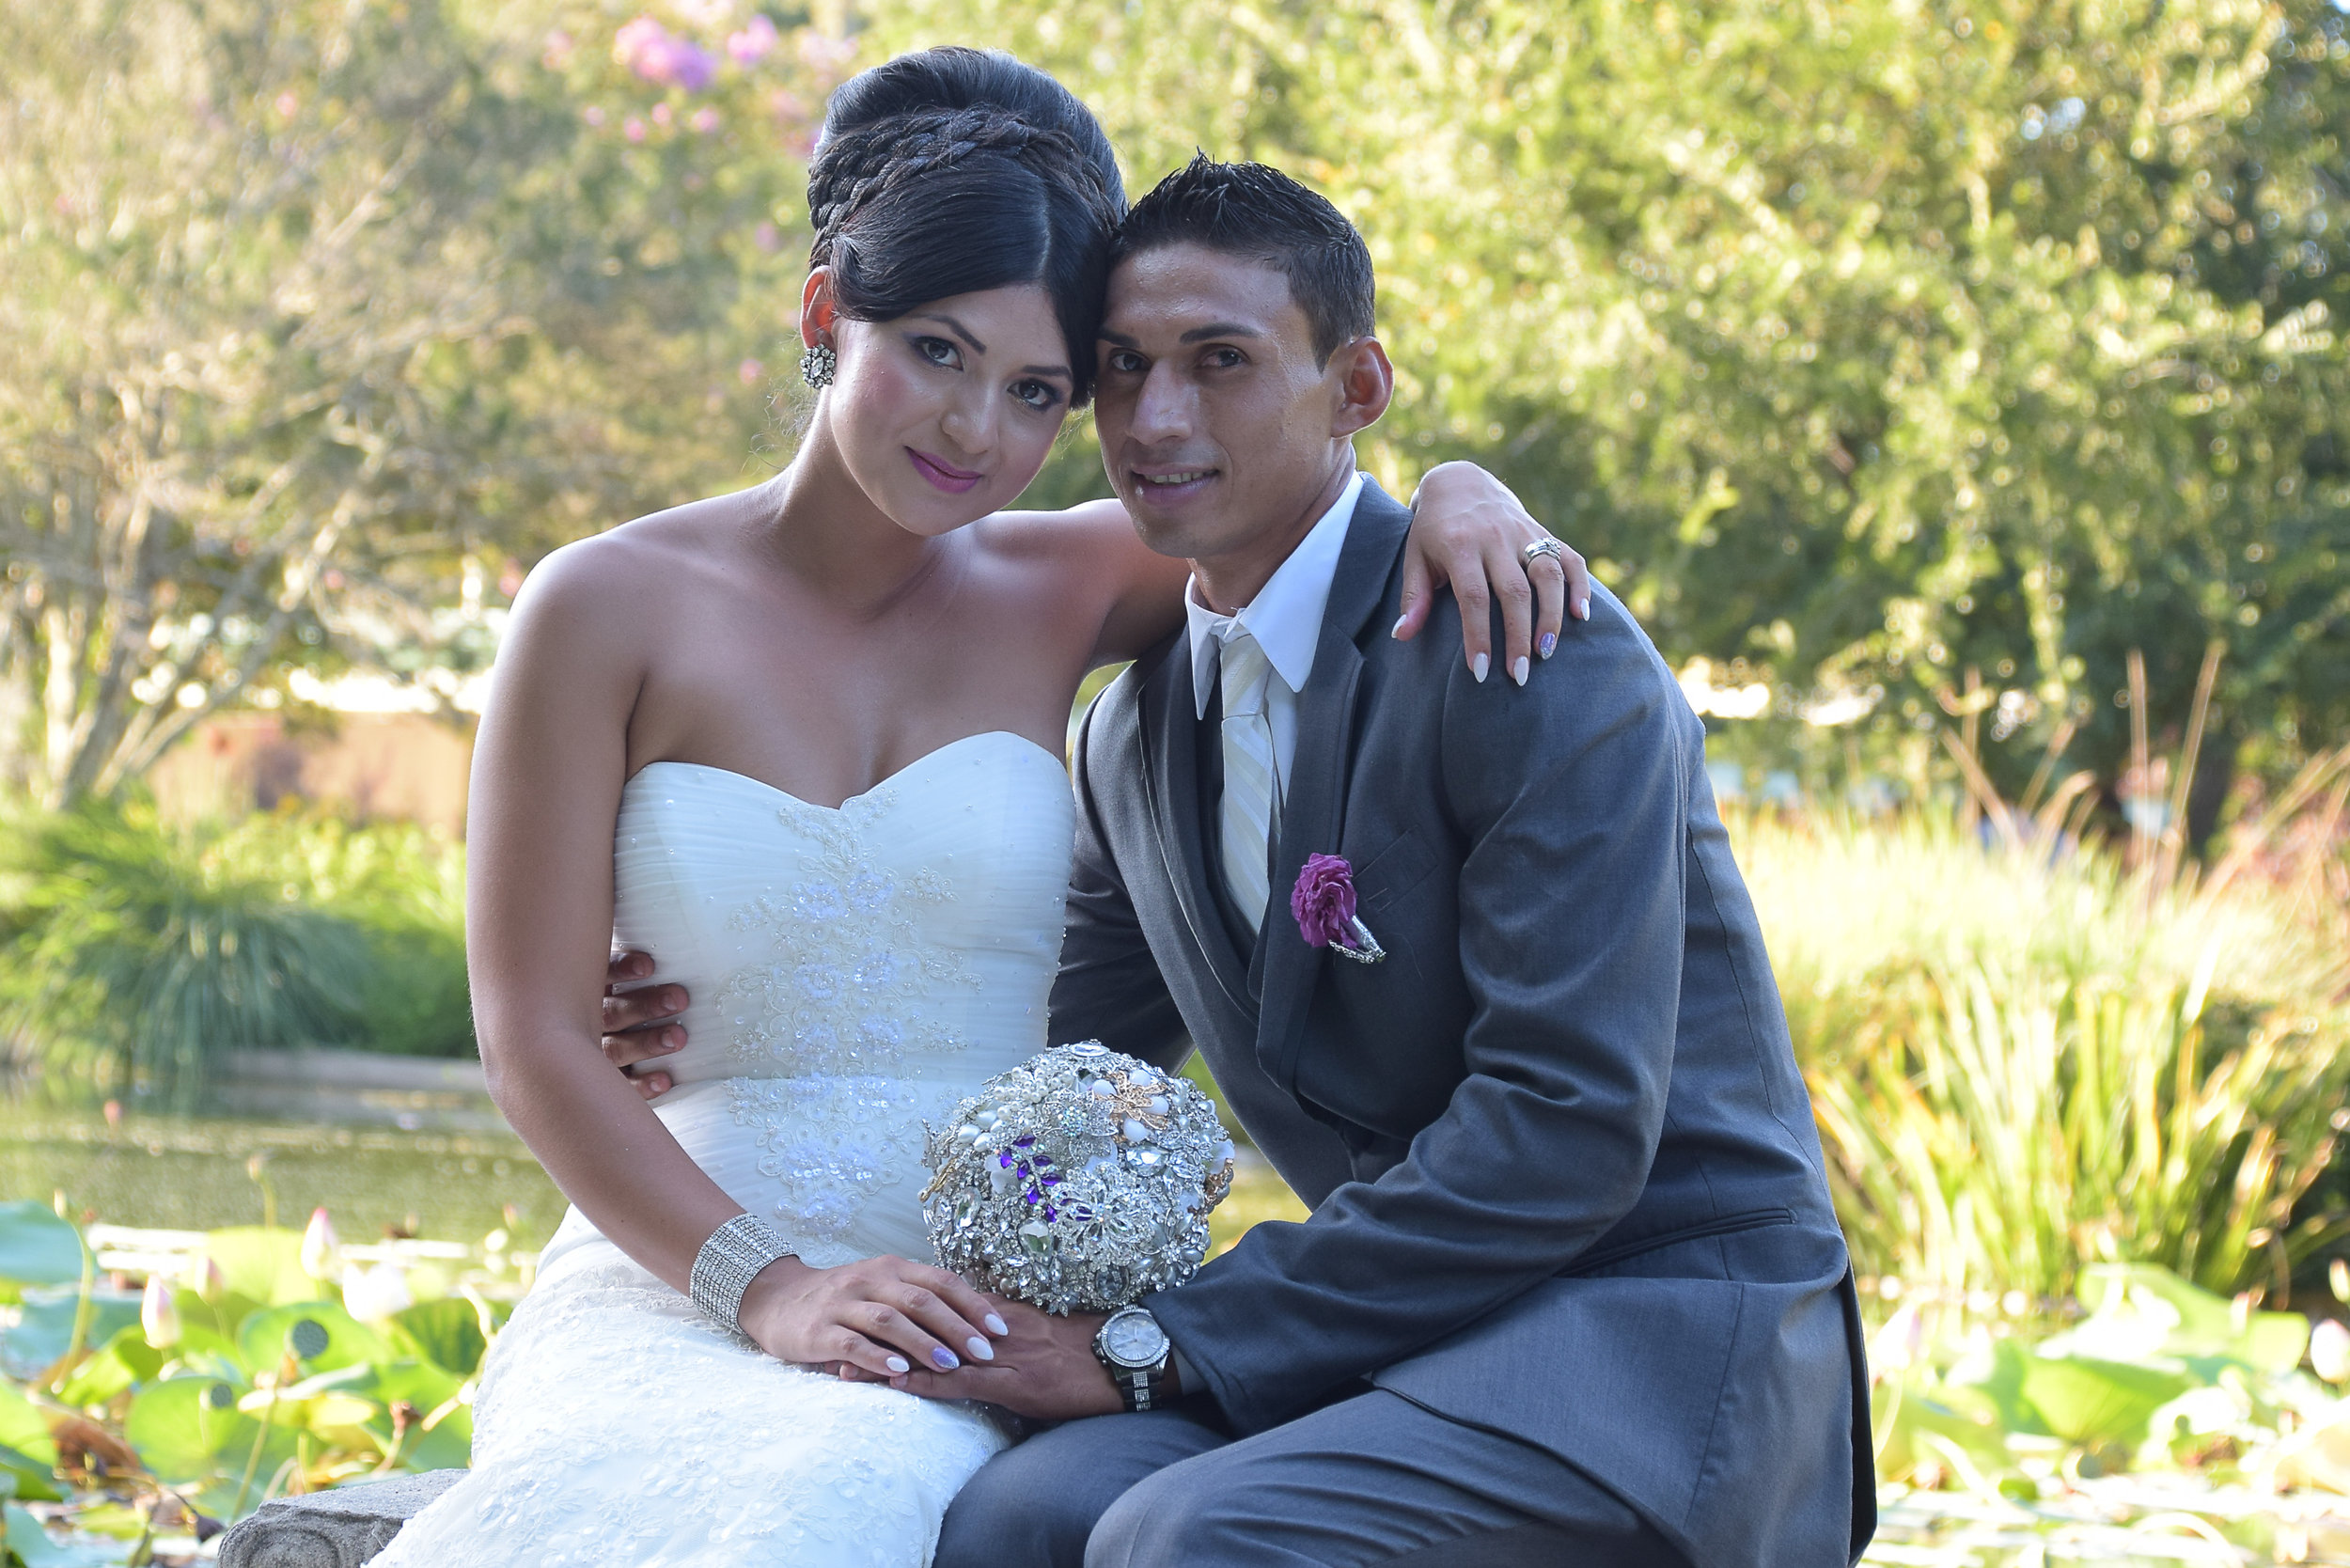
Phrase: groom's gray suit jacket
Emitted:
{"points": [[1565, 1180]]}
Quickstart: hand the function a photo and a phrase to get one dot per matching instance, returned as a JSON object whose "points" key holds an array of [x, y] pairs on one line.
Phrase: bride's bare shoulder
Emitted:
{"points": [[672, 550]]}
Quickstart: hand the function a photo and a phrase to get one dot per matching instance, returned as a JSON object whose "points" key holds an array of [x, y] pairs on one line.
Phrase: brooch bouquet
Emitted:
{"points": [[1079, 1180]]}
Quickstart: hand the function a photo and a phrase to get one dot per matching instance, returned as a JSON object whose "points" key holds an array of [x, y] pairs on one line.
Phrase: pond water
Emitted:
{"points": [[196, 1173]]}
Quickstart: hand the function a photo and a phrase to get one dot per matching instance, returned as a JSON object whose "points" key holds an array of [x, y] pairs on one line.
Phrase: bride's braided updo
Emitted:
{"points": [[955, 170]]}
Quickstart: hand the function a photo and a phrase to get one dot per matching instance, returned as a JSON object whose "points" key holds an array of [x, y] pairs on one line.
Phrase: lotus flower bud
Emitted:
{"points": [[318, 1243], [2329, 1350], [159, 1318], [206, 1280]]}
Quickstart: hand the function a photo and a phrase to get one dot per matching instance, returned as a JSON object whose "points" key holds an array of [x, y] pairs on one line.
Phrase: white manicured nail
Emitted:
{"points": [[997, 1325], [1478, 667], [980, 1349], [1396, 630], [899, 1364], [1517, 671]]}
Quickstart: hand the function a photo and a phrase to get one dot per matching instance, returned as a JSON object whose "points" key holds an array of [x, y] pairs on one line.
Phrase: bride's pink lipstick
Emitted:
{"points": [[954, 482]]}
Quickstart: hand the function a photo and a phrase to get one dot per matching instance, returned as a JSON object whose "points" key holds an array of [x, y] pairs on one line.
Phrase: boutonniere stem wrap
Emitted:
{"points": [[1322, 904]]}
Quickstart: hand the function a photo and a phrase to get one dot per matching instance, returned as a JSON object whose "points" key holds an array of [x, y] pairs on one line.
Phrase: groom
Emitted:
{"points": [[1571, 1292]]}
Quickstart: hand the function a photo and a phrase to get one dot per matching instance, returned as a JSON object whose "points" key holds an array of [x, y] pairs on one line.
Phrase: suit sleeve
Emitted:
{"points": [[1572, 802], [1109, 987]]}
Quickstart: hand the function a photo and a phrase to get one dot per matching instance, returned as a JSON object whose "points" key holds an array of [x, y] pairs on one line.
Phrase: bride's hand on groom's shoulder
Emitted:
{"points": [[1044, 1369], [641, 1022], [1469, 529], [876, 1320]]}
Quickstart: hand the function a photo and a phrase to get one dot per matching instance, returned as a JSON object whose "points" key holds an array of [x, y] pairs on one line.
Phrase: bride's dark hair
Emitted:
{"points": [[953, 170]]}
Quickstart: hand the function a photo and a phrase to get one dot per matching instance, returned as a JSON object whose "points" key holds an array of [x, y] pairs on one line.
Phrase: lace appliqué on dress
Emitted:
{"points": [[831, 1144], [843, 993]]}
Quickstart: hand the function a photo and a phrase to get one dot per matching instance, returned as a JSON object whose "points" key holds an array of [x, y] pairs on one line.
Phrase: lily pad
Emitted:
{"points": [[261, 1263], [22, 1476], [45, 1326], [125, 1360], [321, 1335], [37, 1247], [24, 1428], [445, 1333], [188, 1429], [2096, 1403]]}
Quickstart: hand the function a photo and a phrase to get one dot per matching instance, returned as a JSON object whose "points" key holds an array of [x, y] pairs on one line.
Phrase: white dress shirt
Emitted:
{"points": [[1285, 617]]}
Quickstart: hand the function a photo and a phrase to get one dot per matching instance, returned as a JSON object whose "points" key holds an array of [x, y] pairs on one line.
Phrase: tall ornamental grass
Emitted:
{"points": [[2030, 1052], [133, 953], [2001, 1132]]}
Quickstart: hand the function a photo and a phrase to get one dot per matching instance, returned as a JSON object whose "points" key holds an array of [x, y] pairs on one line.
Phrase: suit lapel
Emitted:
{"points": [[1312, 816], [1170, 774]]}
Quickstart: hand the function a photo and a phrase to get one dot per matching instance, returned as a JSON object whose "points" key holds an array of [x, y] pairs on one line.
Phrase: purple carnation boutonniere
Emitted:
{"points": [[1323, 904]]}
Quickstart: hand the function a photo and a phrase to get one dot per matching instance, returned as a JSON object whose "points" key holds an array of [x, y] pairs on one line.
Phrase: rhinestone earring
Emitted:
{"points": [[818, 364]]}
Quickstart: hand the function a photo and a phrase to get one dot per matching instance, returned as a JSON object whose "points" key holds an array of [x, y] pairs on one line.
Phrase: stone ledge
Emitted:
{"points": [[341, 1529]]}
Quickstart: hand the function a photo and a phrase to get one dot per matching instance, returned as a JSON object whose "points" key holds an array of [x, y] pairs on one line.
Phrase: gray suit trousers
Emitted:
{"points": [[1373, 1479]]}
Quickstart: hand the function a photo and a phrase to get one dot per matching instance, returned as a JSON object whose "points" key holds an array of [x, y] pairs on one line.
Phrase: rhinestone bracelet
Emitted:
{"points": [[727, 1265]]}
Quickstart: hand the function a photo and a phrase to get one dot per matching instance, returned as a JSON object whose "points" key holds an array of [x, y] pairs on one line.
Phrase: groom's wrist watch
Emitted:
{"points": [[1135, 1350]]}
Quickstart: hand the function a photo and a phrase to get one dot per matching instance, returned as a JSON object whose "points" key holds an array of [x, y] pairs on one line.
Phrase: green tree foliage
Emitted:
{"points": [[1860, 342], [312, 310]]}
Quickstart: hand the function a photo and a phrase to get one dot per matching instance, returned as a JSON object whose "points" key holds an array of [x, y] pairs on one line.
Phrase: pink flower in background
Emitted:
{"points": [[1323, 900], [663, 115], [635, 41], [768, 238], [705, 120], [647, 49], [751, 371], [594, 115], [752, 41], [690, 67], [557, 52], [632, 128]]}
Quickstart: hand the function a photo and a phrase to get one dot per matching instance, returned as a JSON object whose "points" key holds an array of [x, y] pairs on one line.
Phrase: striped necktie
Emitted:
{"points": [[1251, 790]]}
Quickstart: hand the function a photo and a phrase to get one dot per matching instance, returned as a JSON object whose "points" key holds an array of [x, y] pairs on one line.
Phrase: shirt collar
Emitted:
{"points": [[1285, 617]]}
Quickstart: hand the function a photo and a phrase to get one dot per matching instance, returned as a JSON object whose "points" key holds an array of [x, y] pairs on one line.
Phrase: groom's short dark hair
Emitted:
{"points": [[1257, 212]]}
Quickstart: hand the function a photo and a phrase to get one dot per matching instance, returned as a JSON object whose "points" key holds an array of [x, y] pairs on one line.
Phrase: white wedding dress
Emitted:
{"points": [[853, 971]]}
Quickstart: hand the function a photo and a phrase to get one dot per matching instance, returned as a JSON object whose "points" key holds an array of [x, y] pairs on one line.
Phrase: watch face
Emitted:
{"points": [[1134, 1340]]}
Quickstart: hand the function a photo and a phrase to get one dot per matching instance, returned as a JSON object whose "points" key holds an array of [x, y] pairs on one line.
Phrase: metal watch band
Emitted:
{"points": [[1139, 1387], [727, 1265]]}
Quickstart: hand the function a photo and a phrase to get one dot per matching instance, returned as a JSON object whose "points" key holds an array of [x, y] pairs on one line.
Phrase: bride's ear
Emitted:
{"points": [[817, 313]]}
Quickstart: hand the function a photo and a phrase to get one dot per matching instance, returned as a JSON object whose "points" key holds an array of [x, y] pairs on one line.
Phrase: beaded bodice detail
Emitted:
{"points": [[853, 969]]}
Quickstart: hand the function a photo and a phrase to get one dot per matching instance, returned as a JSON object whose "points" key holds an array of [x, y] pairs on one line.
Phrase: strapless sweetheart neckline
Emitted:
{"points": [[935, 754]]}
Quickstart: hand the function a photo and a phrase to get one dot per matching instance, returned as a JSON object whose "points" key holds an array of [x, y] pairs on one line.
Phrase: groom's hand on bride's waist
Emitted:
{"points": [[641, 1022], [1044, 1369]]}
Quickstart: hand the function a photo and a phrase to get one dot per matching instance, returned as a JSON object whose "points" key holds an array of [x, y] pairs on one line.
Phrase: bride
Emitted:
{"points": [[802, 742]]}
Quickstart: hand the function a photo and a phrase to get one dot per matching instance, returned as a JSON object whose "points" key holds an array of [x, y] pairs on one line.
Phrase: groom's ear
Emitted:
{"points": [[1365, 382]]}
